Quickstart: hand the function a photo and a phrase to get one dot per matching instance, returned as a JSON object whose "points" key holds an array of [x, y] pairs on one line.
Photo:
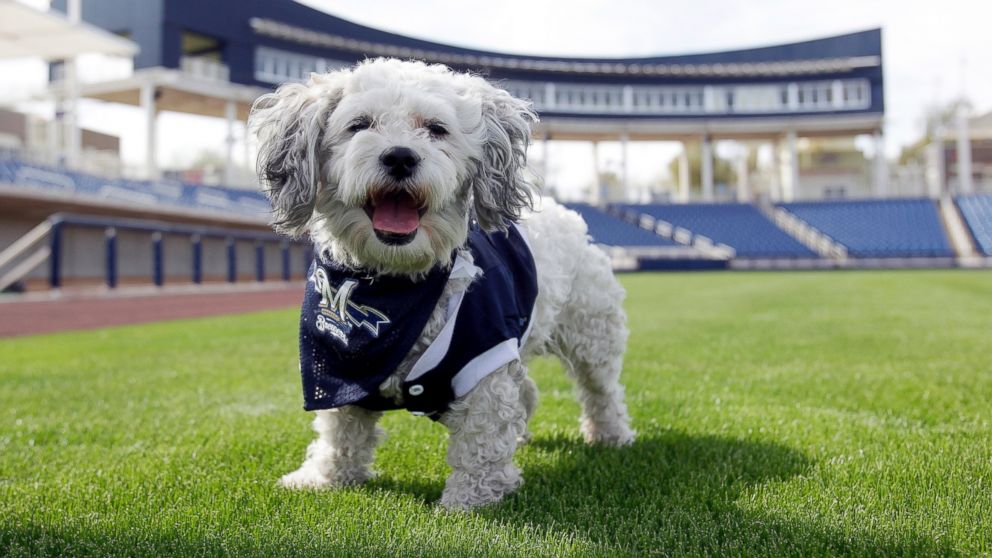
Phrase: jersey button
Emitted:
{"points": [[416, 389]]}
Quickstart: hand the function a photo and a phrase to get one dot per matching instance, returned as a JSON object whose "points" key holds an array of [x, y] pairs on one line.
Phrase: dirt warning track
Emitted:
{"points": [[65, 312]]}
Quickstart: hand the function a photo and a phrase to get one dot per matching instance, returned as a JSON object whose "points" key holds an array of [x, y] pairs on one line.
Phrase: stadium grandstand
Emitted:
{"points": [[65, 220]]}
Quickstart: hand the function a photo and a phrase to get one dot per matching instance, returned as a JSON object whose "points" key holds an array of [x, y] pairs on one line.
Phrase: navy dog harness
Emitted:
{"points": [[356, 329]]}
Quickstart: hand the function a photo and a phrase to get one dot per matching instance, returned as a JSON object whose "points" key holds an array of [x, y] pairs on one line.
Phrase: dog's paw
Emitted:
{"points": [[306, 477], [468, 491], [454, 502], [524, 438], [615, 435], [310, 477]]}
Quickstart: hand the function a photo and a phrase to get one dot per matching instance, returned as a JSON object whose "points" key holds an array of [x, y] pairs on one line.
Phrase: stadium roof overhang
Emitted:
{"points": [[794, 60], [177, 91], [29, 33], [743, 129]]}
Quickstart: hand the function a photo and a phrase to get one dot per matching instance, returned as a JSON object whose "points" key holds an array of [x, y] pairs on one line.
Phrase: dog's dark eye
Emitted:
{"points": [[359, 124], [436, 129]]}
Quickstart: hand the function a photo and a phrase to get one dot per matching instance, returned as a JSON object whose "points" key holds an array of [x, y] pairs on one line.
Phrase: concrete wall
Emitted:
{"points": [[83, 258]]}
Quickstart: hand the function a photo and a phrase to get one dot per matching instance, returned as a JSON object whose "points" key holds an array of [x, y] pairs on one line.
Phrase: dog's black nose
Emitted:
{"points": [[399, 162]]}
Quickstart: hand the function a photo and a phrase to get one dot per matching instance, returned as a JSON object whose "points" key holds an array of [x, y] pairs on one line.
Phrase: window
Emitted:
{"points": [[745, 98], [276, 66], [198, 45]]}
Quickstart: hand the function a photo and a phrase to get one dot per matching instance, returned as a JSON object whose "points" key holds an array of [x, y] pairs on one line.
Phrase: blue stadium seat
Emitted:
{"points": [[740, 226], [977, 213], [138, 192], [908, 228], [613, 231]]}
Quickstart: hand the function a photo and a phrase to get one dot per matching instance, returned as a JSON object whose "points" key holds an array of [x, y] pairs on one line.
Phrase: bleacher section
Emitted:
{"points": [[868, 229], [977, 213], [739, 226], [132, 192], [613, 231], [879, 228]]}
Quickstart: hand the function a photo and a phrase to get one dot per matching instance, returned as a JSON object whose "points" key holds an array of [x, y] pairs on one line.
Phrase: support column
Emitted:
{"points": [[881, 167], [151, 135], [70, 117], [775, 193], [706, 166], [231, 115], [624, 174], [684, 185], [743, 178], [935, 165], [246, 145], [544, 163], [73, 139], [965, 183], [598, 195], [790, 167]]}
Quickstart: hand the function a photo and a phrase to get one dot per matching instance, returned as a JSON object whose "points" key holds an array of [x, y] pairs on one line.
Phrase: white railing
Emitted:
{"points": [[16, 257], [805, 234], [205, 68]]}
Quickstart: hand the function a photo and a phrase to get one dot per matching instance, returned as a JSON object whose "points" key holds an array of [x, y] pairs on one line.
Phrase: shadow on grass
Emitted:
{"points": [[670, 493], [673, 493]]}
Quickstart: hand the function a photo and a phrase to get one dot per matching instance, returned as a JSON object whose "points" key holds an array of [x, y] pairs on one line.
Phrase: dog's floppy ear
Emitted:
{"points": [[499, 189], [290, 125]]}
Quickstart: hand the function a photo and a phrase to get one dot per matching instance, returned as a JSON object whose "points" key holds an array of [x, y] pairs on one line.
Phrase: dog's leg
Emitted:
{"points": [[528, 399], [343, 451], [484, 426], [591, 338], [604, 413]]}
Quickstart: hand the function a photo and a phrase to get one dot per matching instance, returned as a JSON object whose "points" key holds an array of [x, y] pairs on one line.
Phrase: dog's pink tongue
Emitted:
{"points": [[396, 214]]}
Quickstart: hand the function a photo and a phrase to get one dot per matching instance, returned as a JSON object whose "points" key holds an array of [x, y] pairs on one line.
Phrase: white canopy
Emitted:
{"points": [[26, 32]]}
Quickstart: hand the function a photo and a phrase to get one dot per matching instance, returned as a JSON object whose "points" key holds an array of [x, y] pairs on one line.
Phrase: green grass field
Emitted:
{"points": [[778, 414]]}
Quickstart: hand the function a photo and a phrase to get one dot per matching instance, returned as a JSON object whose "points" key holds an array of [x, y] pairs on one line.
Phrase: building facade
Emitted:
{"points": [[821, 88]]}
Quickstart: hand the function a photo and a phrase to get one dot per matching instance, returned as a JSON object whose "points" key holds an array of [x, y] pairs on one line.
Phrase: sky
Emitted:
{"points": [[933, 52]]}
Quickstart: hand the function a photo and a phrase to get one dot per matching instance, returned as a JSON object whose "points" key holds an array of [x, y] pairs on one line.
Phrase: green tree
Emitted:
{"points": [[723, 170], [937, 118]]}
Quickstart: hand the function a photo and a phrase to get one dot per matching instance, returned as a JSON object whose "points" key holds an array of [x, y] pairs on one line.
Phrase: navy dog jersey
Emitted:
{"points": [[355, 329]]}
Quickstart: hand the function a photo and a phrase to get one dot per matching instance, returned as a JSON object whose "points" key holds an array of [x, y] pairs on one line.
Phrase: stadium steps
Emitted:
{"points": [[805, 234], [957, 231], [632, 245], [611, 230], [739, 229], [976, 212]]}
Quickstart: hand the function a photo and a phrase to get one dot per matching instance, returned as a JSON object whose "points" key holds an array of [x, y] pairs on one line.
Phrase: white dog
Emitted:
{"points": [[400, 172]]}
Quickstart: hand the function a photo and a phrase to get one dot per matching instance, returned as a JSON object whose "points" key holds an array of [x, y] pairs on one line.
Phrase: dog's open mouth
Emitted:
{"points": [[395, 216]]}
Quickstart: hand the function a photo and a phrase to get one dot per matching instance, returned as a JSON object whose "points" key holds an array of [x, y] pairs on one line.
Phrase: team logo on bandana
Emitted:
{"points": [[337, 315]]}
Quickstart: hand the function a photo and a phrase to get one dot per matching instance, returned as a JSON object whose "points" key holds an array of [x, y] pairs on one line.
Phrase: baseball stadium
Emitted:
{"points": [[808, 368]]}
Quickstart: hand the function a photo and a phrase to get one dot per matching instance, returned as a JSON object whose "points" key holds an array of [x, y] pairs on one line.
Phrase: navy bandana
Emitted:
{"points": [[356, 329]]}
